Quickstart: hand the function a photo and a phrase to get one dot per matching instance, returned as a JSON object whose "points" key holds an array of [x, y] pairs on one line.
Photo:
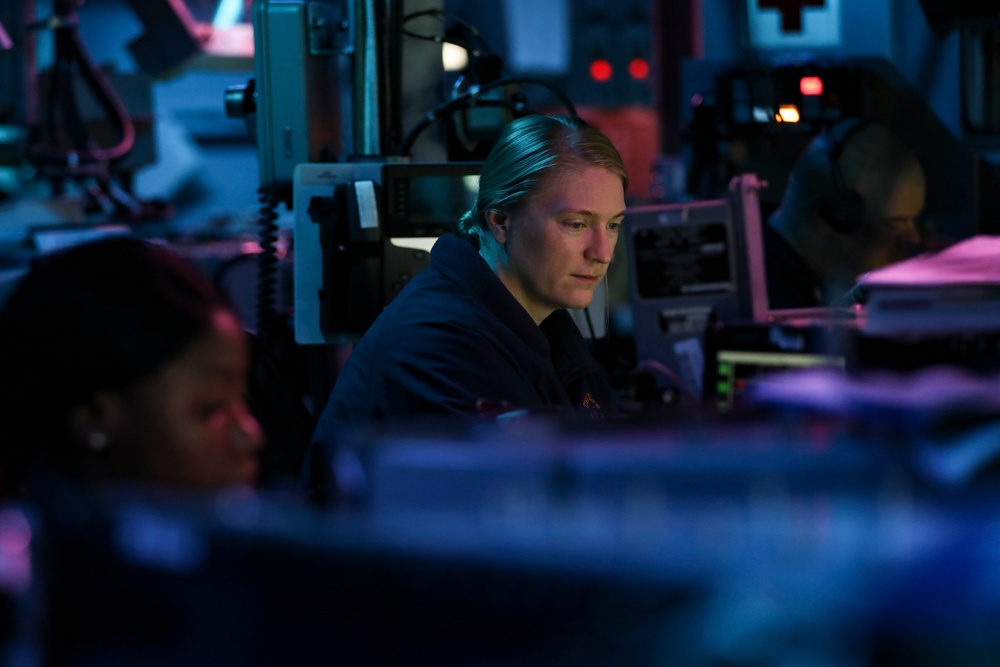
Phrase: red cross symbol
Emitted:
{"points": [[791, 11]]}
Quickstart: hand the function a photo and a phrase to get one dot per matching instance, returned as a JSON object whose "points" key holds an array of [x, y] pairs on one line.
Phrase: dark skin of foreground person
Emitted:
{"points": [[123, 362]]}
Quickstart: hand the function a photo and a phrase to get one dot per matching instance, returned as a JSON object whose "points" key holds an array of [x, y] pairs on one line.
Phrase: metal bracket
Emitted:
{"points": [[331, 28]]}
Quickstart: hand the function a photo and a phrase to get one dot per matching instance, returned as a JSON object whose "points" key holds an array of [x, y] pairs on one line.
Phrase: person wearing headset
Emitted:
{"points": [[851, 205], [483, 331]]}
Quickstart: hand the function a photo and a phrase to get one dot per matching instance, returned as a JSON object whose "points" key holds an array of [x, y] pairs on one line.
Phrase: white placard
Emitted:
{"points": [[819, 22]]}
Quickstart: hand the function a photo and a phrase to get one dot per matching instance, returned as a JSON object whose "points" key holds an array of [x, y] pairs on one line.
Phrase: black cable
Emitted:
{"points": [[440, 13], [109, 100], [70, 52], [267, 268], [657, 367], [590, 324], [63, 147], [457, 104], [445, 40], [471, 98], [71, 117], [52, 99]]}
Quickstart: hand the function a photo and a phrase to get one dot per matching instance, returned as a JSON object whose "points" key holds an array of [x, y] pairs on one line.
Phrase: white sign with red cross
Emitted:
{"points": [[784, 24]]}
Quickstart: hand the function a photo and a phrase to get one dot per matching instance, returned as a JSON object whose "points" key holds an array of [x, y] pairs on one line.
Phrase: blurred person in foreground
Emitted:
{"points": [[123, 362]]}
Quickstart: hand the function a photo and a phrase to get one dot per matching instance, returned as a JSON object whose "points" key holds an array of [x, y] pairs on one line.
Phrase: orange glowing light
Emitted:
{"points": [[811, 85], [788, 113]]}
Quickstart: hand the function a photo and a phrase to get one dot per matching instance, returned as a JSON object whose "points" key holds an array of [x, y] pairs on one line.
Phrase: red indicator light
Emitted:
{"points": [[638, 69], [811, 85], [600, 70]]}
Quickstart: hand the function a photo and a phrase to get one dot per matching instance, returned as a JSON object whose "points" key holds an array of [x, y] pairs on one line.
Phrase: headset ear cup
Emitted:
{"points": [[842, 208]]}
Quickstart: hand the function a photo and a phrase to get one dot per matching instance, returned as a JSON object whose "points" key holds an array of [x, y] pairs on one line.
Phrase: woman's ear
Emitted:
{"points": [[95, 421], [497, 222]]}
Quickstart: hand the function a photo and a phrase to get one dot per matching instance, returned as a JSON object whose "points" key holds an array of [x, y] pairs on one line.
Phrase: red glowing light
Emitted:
{"points": [[638, 68], [811, 85], [600, 70]]}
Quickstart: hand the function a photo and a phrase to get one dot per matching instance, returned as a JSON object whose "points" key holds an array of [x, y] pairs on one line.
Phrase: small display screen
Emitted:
{"points": [[737, 370], [744, 353], [683, 260], [430, 204]]}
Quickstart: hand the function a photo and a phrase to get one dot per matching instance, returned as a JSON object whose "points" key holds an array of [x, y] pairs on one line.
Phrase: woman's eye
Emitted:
{"points": [[614, 226], [575, 224]]}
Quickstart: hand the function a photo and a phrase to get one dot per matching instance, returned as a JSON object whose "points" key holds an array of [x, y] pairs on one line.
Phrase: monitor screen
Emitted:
{"points": [[737, 370], [678, 260], [692, 264], [745, 352], [425, 201]]}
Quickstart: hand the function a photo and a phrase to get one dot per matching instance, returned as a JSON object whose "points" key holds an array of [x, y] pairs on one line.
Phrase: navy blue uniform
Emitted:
{"points": [[456, 342]]}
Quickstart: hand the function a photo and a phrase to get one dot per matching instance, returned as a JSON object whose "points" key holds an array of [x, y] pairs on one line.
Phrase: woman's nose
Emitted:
{"points": [[601, 246]]}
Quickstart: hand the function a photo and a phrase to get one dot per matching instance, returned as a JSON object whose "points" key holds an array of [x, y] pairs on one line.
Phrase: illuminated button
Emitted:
{"points": [[600, 70], [638, 68], [811, 85]]}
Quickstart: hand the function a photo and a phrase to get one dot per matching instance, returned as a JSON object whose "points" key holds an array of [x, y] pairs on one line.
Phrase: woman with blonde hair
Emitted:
{"points": [[484, 330]]}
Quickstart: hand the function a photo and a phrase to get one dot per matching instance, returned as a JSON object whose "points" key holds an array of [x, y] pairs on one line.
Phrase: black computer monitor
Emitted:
{"points": [[362, 231], [692, 264]]}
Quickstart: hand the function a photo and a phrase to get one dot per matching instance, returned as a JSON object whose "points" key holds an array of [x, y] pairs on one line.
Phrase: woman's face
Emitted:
{"points": [[560, 240], [189, 425]]}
